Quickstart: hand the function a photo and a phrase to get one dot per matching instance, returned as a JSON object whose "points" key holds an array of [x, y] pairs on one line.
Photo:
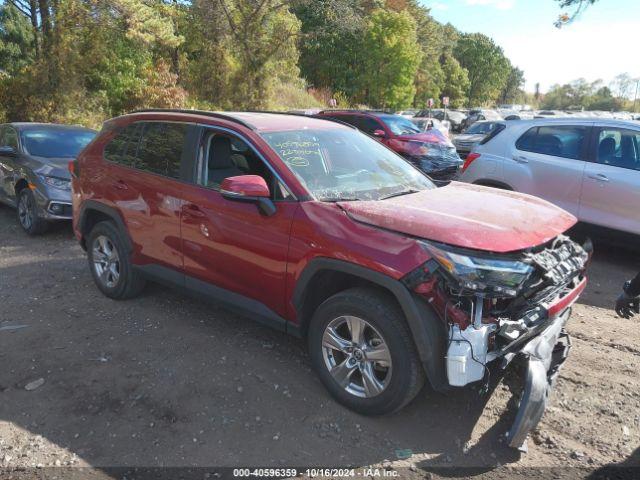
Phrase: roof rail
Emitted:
{"points": [[204, 113], [356, 110], [328, 119]]}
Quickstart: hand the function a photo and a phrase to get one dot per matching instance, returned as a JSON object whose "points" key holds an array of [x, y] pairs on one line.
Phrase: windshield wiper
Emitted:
{"points": [[345, 199], [399, 194]]}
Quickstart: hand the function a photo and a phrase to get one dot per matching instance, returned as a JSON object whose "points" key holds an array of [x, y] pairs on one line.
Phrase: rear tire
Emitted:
{"points": [[358, 373], [110, 263], [27, 213]]}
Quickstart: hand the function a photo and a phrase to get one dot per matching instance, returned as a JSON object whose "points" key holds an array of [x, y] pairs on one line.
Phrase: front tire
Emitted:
{"points": [[110, 263], [363, 352], [27, 211]]}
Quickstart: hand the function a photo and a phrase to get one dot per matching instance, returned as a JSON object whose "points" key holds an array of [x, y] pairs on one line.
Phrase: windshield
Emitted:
{"points": [[341, 164], [481, 128], [400, 125], [55, 143]]}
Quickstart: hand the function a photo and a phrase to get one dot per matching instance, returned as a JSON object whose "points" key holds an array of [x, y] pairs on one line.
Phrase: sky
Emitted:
{"points": [[600, 44]]}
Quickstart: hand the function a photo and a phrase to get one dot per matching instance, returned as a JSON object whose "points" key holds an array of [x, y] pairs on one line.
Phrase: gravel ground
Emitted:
{"points": [[166, 380]]}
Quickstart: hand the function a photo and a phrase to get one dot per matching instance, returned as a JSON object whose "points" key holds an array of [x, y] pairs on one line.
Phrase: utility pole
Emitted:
{"points": [[635, 97]]}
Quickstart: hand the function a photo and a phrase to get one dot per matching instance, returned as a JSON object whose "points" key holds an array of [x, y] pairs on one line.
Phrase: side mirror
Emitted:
{"points": [[7, 151], [250, 189], [379, 133]]}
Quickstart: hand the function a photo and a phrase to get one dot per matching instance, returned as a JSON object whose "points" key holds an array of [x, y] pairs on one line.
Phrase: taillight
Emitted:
{"points": [[469, 160], [74, 168]]}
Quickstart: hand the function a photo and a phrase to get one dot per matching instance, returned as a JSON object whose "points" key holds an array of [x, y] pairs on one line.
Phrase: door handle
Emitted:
{"points": [[599, 177], [193, 211], [521, 159], [120, 185]]}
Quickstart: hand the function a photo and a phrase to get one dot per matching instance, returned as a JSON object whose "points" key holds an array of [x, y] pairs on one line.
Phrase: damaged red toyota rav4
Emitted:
{"points": [[316, 229]]}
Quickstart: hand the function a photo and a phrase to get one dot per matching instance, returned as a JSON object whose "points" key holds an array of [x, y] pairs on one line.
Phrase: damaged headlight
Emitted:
{"points": [[479, 274], [56, 182]]}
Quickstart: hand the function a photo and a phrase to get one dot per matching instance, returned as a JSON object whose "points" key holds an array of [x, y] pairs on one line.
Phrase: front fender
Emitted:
{"points": [[429, 333]]}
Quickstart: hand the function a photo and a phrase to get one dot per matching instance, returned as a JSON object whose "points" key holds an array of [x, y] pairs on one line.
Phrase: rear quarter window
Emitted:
{"points": [[525, 142], [155, 147], [122, 148], [495, 131]]}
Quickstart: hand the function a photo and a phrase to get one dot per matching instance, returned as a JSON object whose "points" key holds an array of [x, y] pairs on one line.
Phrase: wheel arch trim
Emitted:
{"points": [[428, 332], [112, 213], [493, 183]]}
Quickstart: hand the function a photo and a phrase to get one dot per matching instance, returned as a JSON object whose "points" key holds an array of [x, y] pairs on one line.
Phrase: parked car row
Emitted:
{"points": [[319, 230], [462, 120], [431, 151], [454, 117]]}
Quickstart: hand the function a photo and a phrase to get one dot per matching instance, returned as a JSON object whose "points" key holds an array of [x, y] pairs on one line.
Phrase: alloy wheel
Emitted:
{"points": [[25, 211], [357, 356], [106, 261]]}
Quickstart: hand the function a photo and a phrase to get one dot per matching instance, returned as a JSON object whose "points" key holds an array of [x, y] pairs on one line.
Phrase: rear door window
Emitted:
{"points": [[566, 141], [161, 147], [619, 148]]}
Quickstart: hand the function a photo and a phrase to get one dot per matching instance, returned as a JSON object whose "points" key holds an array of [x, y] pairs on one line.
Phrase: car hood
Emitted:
{"points": [[430, 136], [57, 167], [472, 137], [467, 216]]}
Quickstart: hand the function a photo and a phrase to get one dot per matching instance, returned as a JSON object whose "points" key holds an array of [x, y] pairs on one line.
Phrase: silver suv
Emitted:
{"points": [[590, 167]]}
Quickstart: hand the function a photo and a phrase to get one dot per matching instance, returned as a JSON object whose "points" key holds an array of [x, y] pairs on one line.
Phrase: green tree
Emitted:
{"points": [[512, 91], [390, 59], [603, 99], [430, 81], [581, 94], [623, 86], [331, 38], [434, 39], [487, 67], [557, 98], [265, 34], [210, 64], [148, 22], [17, 47], [84, 60], [456, 82]]}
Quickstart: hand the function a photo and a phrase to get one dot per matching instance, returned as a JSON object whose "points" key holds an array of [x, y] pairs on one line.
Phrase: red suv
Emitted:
{"points": [[430, 150], [318, 230]]}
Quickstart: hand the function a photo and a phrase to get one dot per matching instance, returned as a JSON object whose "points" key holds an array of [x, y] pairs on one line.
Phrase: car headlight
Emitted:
{"points": [[429, 150], [56, 182], [484, 275]]}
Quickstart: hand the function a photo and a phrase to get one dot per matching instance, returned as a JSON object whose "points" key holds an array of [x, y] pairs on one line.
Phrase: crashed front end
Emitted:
{"points": [[438, 160], [505, 306]]}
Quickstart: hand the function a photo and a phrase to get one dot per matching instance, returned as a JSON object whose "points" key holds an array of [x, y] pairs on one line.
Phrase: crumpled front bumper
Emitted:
{"points": [[442, 169], [543, 356]]}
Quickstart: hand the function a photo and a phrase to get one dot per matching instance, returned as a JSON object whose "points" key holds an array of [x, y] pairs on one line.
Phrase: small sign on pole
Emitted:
{"points": [[445, 101], [430, 103]]}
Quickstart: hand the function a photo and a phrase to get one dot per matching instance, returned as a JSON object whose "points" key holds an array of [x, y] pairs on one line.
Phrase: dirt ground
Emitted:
{"points": [[165, 380]]}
